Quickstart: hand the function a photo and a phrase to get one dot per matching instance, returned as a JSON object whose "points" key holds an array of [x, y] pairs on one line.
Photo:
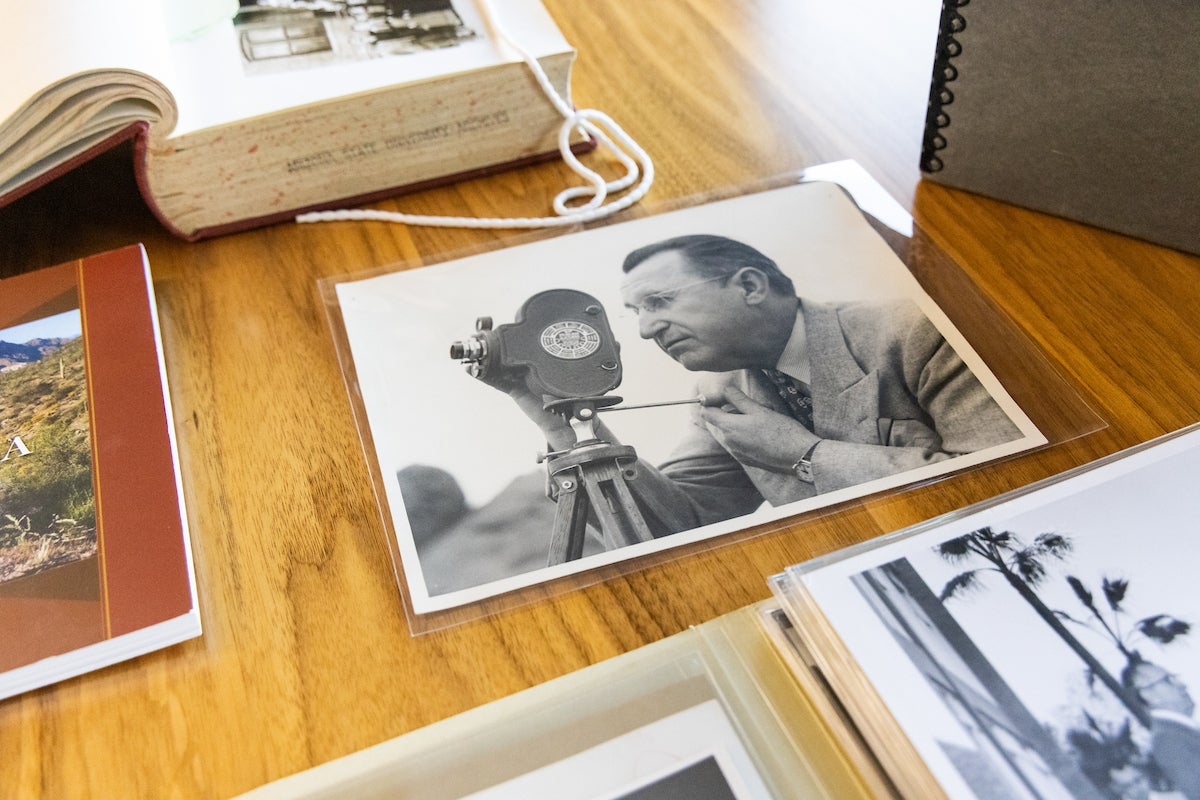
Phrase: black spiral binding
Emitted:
{"points": [[940, 96]]}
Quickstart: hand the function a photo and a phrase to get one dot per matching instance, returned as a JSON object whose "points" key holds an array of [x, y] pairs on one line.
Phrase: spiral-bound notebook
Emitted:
{"points": [[1084, 109]]}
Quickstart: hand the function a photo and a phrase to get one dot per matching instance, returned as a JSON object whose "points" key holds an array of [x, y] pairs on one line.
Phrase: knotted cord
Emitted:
{"points": [[639, 169]]}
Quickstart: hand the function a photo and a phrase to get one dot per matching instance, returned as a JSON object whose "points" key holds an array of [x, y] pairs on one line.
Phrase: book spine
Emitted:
{"points": [[944, 72], [354, 149]]}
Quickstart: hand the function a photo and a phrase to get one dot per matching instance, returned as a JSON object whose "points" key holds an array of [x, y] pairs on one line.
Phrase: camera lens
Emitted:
{"points": [[472, 349]]}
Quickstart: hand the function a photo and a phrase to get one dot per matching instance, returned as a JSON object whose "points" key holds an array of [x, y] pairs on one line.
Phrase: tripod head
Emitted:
{"points": [[580, 414]]}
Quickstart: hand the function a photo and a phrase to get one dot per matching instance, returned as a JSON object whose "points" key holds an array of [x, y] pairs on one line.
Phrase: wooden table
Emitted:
{"points": [[306, 654]]}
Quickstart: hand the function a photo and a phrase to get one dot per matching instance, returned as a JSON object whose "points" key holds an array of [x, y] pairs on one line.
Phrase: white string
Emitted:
{"points": [[595, 124]]}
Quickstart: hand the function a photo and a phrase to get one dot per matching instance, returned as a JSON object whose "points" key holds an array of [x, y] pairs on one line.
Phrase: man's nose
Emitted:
{"points": [[650, 324]]}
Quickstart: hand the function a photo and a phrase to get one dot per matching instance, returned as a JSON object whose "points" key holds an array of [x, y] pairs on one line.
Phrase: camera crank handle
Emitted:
{"points": [[695, 400]]}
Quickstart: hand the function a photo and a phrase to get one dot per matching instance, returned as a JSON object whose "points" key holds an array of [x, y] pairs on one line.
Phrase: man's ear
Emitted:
{"points": [[753, 283]]}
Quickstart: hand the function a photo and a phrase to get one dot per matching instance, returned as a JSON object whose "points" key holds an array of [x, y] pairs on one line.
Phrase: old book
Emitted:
{"points": [[95, 565], [273, 108], [1081, 109]]}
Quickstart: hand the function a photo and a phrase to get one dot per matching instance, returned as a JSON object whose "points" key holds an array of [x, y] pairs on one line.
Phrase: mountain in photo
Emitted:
{"points": [[47, 500], [14, 354]]}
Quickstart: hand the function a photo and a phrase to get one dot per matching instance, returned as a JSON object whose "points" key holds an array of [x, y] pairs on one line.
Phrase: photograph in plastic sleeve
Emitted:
{"points": [[692, 753], [1044, 646], [544, 409]]}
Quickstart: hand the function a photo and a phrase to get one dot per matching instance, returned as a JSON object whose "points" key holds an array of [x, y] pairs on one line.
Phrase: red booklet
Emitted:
{"points": [[95, 564]]}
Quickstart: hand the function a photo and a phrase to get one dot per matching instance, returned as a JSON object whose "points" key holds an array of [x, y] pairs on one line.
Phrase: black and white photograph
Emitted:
{"points": [[694, 754], [702, 780], [302, 34], [601, 395], [1045, 648], [272, 55]]}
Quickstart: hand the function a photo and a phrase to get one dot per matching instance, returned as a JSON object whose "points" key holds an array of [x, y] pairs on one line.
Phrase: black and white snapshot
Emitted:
{"points": [[1044, 647], [279, 35], [581, 400]]}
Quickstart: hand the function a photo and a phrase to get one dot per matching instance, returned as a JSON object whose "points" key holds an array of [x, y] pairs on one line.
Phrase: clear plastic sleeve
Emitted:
{"points": [[475, 518]]}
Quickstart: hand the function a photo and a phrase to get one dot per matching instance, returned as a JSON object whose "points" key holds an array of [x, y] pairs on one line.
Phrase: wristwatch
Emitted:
{"points": [[804, 468]]}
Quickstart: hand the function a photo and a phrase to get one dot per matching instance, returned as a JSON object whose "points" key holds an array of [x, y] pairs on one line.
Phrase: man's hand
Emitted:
{"points": [[754, 434], [558, 433], [554, 427]]}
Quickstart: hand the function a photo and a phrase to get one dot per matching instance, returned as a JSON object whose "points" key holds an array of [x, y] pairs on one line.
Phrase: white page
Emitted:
{"points": [[213, 87], [53, 39], [205, 73]]}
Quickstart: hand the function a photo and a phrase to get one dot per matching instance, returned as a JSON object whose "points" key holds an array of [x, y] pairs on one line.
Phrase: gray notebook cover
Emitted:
{"points": [[1086, 109]]}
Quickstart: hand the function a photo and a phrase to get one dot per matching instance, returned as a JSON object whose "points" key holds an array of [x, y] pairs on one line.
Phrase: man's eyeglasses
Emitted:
{"points": [[661, 301]]}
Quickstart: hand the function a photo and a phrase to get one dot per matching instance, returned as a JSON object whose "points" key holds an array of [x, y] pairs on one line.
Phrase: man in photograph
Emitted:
{"points": [[799, 398]]}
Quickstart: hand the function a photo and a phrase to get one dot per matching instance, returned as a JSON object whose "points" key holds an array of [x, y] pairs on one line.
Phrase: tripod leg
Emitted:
{"points": [[614, 506], [635, 530], [604, 470], [570, 521]]}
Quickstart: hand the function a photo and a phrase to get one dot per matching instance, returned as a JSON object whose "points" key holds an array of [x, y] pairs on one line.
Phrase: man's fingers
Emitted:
{"points": [[741, 402], [732, 401]]}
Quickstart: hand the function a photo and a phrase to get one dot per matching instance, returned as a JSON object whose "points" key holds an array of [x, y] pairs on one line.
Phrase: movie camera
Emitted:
{"points": [[561, 347]]}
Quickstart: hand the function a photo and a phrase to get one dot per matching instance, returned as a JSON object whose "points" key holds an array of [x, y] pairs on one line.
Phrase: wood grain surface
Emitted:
{"points": [[307, 653]]}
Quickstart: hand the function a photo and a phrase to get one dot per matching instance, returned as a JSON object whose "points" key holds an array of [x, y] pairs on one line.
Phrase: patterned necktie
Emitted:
{"points": [[795, 394]]}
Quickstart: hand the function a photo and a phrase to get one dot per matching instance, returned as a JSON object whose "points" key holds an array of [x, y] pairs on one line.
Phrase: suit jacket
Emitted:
{"points": [[889, 395]]}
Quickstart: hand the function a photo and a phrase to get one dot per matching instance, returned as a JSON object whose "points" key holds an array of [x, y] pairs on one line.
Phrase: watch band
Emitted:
{"points": [[804, 468]]}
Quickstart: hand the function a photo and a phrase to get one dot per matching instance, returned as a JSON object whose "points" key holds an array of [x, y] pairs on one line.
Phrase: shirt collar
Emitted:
{"points": [[794, 359]]}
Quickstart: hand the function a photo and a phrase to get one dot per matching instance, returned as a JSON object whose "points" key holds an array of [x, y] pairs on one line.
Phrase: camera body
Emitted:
{"points": [[560, 345]]}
